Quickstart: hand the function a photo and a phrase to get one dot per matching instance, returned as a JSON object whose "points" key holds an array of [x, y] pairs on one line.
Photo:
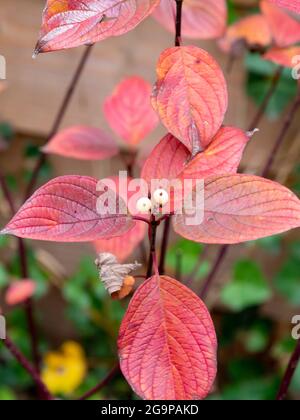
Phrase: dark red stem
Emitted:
{"points": [[111, 375], [43, 391], [289, 373], [210, 278], [59, 117], [178, 22], [281, 137], [164, 245], [262, 109], [152, 239]]}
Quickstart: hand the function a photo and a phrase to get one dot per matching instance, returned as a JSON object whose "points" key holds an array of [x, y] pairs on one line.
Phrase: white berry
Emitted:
{"points": [[144, 205], [161, 197]]}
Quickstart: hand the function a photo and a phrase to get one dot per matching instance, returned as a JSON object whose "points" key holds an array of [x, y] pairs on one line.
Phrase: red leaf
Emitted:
{"points": [[128, 110], [293, 5], [167, 342], [200, 19], [284, 28], [283, 56], [71, 23], [65, 210], [246, 30], [81, 142], [166, 161], [123, 246], [19, 291], [190, 95], [241, 208]]}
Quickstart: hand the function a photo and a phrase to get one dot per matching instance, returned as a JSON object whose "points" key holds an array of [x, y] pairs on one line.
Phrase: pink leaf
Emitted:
{"points": [[285, 29], [65, 210], [123, 246], [128, 110], [200, 19], [166, 161], [190, 96], [293, 5], [19, 291], [71, 23], [241, 208], [167, 343], [81, 142]]}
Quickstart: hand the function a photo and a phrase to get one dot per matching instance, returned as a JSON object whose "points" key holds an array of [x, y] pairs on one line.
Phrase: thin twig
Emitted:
{"points": [[281, 137], [29, 307], [190, 279], [152, 239], [289, 373], [111, 375], [59, 117], [43, 391], [210, 278], [178, 22], [262, 109], [164, 245], [7, 194]]}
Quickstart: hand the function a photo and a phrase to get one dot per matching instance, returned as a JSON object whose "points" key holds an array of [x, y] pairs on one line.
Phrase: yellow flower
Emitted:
{"points": [[64, 371]]}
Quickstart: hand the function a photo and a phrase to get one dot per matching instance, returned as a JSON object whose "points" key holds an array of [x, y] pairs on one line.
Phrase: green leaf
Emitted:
{"points": [[248, 288]]}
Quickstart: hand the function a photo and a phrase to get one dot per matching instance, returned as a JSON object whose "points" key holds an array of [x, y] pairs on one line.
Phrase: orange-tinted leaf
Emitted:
{"points": [[70, 23], [167, 342], [190, 95], [123, 246], [19, 291], [81, 142], [293, 5], [65, 210], [247, 30], [167, 160], [128, 110], [285, 29], [222, 156], [241, 208], [283, 56], [201, 19]]}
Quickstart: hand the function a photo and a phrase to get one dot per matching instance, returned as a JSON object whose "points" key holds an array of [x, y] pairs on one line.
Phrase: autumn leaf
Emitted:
{"points": [[293, 5], [166, 161], [65, 210], [222, 156], [201, 19], [71, 23], [123, 246], [19, 291], [167, 342], [239, 208], [82, 142], [283, 56], [285, 29], [246, 31], [128, 110], [190, 96]]}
